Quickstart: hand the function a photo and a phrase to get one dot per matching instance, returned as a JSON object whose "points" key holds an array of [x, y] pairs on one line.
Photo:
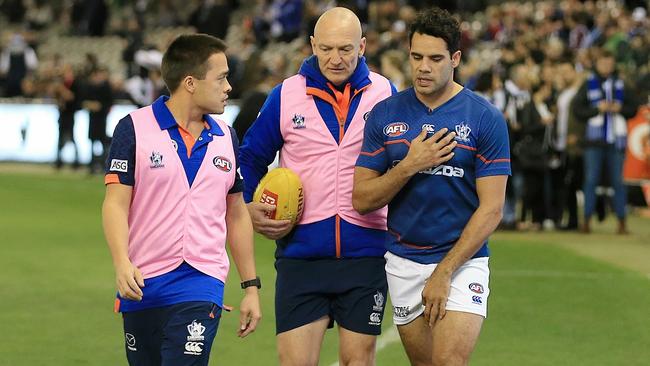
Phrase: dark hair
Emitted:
{"points": [[605, 53], [484, 82], [438, 23], [188, 55]]}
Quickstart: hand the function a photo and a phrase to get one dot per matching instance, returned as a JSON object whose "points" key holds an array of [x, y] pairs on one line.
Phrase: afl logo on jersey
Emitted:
{"points": [[222, 163], [476, 288], [396, 129]]}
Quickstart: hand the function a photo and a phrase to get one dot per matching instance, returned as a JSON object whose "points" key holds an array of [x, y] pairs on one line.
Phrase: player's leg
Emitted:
{"points": [[593, 160], [416, 338], [455, 336], [189, 332], [143, 336], [405, 283], [359, 307], [614, 161], [466, 309], [301, 346], [301, 310], [356, 349]]}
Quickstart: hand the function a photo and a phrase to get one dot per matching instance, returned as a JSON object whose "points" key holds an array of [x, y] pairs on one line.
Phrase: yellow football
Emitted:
{"points": [[281, 187]]}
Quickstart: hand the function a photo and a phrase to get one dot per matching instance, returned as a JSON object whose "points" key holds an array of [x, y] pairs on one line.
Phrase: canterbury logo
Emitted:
{"points": [[193, 348]]}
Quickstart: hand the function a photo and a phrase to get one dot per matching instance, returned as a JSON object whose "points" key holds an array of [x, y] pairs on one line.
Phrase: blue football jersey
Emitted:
{"points": [[428, 215]]}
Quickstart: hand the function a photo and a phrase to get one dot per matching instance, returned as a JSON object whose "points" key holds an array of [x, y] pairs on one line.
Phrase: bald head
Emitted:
{"points": [[337, 43], [338, 20]]}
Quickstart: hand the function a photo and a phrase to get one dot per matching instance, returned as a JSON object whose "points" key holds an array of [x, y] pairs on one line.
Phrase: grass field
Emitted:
{"points": [[557, 299]]}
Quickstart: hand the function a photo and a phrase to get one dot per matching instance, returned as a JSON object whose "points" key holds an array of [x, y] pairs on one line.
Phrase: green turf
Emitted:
{"points": [[548, 306]]}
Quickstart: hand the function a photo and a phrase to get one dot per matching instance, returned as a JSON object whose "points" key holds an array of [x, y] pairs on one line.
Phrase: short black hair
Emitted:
{"points": [[438, 23], [187, 55], [605, 53]]}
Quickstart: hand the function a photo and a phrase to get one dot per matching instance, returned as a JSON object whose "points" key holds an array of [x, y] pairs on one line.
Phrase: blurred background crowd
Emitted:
{"points": [[534, 60]]}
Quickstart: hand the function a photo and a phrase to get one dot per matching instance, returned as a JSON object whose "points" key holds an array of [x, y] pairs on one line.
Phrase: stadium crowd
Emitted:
{"points": [[533, 60]]}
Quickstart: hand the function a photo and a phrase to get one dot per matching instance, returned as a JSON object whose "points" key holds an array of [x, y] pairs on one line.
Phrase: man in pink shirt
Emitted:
{"points": [[173, 200]]}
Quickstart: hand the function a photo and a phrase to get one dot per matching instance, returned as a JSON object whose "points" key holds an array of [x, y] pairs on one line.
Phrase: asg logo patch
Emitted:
{"points": [[396, 129], [119, 165], [477, 300], [476, 288], [222, 163]]}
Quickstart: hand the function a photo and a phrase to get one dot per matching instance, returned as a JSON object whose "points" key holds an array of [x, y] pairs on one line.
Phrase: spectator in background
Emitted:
{"points": [[373, 44], [14, 10], [578, 31], [568, 141], [391, 68], [532, 154], [280, 20], [286, 20], [545, 100], [141, 88], [212, 17], [90, 64], [16, 61], [66, 91], [146, 85], [134, 37], [518, 95], [253, 100], [166, 14], [39, 15], [489, 86], [98, 100], [604, 103], [94, 16]]}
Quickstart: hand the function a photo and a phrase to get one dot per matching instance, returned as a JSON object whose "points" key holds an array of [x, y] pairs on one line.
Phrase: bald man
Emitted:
{"points": [[330, 266]]}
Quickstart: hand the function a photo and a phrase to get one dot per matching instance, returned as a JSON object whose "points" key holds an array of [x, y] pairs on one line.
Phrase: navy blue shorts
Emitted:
{"points": [[351, 292], [179, 334]]}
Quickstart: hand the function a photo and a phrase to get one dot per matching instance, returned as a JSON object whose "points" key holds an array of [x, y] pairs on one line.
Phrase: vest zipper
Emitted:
{"points": [[337, 235]]}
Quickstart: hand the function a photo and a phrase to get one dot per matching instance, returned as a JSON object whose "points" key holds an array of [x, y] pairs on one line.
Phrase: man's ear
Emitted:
{"points": [[189, 84], [455, 59]]}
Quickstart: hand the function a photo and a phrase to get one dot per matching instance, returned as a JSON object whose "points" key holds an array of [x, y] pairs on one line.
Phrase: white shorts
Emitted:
{"points": [[468, 293]]}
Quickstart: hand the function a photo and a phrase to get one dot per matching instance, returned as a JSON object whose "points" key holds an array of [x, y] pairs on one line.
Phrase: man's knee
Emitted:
{"points": [[297, 359], [450, 358], [301, 346], [361, 356]]}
